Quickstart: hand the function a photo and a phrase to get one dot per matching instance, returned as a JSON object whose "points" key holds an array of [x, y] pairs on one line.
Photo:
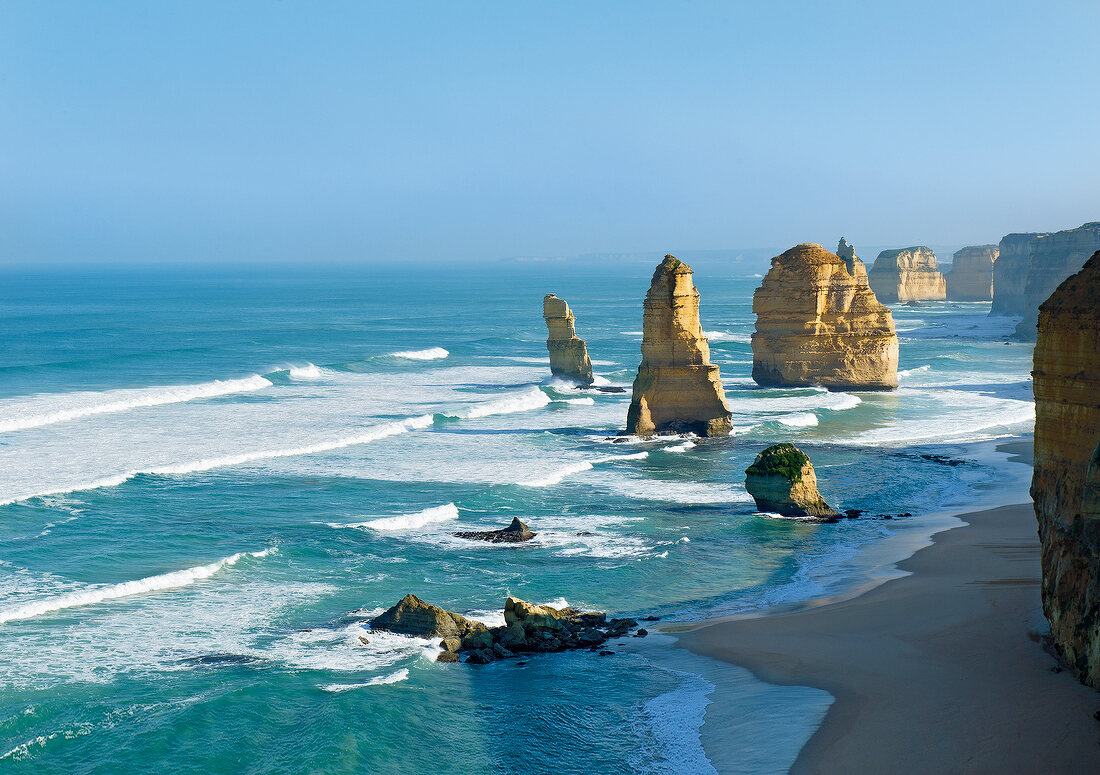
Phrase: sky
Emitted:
{"points": [[177, 132]]}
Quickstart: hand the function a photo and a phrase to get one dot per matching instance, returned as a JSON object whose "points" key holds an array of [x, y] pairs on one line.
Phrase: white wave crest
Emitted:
{"points": [[577, 401], [431, 354], [392, 678], [305, 373], [718, 336], [520, 402], [800, 420], [411, 521], [556, 477], [99, 594], [21, 414]]}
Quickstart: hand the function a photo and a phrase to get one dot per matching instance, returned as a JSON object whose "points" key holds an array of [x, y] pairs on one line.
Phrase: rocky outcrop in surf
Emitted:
{"points": [[568, 353], [527, 628], [412, 616], [908, 274], [971, 275], [1051, 259], [678, 389], [819, 323], [514, 533], [1066, 482], [782, 480]]}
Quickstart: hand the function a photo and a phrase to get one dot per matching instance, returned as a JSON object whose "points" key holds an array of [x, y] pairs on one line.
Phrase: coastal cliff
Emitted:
{"points": [[677, 389], [819, 323], [1067, 434], [1051, 259], [1010, 273], [971, 275], [908, 274], [568, 353]]}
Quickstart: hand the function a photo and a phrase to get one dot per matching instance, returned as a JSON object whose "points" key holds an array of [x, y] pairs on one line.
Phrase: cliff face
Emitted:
{"points": [[568, 354], [1010, 274], [1052, 258], [1065, 490], [909, 274], [817, 323], [971, 275], [677, 389]]}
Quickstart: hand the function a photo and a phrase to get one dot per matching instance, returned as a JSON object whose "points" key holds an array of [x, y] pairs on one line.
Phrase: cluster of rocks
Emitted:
{"points": [[516, 532], [528, 628]]}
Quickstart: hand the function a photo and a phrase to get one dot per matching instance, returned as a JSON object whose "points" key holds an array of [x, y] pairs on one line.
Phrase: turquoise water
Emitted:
{"points": [[209, 480]]}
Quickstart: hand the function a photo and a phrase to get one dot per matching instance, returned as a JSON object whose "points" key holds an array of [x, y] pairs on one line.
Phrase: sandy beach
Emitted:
{"points": [[941, 671]]}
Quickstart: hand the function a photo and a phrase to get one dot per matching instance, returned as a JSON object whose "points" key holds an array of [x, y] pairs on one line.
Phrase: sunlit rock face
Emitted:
{"points": [[819, 323], [568, 353], [1051, 259], [909, 274], [971, 275], [678, 389], [1066, 482]]}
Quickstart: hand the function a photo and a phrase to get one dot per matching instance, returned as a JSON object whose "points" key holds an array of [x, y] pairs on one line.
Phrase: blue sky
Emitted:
{"points": [[330, 131]]}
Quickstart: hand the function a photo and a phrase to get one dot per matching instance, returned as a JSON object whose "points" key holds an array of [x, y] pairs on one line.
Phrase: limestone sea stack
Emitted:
{"points": [[1051, 259], [568, 353], [819, 323], [1066, 480], [678, 389], [908, 274], [1010, 273], [971, 275], [782, 480]]}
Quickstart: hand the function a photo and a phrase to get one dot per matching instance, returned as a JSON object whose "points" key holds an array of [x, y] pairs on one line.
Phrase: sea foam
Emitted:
{"points": [[520, 402], [410, 521], [21, 414], [430, 354], [392, 678], [99, 594]]}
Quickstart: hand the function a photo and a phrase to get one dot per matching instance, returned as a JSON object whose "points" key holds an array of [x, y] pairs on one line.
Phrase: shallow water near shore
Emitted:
{"points": [[208, 483]]}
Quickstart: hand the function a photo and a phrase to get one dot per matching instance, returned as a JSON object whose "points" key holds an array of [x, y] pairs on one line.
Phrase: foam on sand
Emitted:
{"points": [[99, 594], [382, 680], [430, 354], [23, 413]]}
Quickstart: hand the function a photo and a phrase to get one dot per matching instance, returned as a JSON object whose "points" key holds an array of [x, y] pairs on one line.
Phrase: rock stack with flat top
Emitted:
{"points": [[678, 389], [782, 480], [1010, 273], [819, 323], [908, 274], [1051, 259], [568, 353], [1066, 482], [971, 275]]}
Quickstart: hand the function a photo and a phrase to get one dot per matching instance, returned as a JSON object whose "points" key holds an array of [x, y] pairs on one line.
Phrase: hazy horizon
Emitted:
{"points": [[349, 133]]}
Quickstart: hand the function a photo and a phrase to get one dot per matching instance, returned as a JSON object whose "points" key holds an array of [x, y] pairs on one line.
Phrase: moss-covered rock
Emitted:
{"points": [[782, 480]]}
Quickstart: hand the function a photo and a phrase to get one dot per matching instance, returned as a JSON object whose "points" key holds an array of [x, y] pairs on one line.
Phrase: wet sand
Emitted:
{"points": [[940, 671]]}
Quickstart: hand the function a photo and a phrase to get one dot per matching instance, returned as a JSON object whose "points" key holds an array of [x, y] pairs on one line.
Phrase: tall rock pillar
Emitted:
{"points": [[568, 353]]}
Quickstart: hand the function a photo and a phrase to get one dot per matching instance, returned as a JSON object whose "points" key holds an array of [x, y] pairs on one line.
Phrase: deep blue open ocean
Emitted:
{"points": [[209, 479]]}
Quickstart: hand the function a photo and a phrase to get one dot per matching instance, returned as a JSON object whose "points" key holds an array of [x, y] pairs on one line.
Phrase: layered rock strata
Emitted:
{"points": [[782, 480], [1051, 259], [678, 389], [568, 353], [971, 275], [1010, 273], [908, 274], [1066, 482], [514, 533], [818, 324]]}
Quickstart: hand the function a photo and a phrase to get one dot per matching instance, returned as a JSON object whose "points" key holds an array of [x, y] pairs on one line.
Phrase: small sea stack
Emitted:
{"points": [[819, 323], [1066, 482], [971, 275], [678, 389], [515, 533], [908, 274], [782, 480], [568, 353]]}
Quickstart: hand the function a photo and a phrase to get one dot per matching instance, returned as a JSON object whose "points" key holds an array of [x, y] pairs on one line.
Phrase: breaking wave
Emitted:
{"points": [[392, 678], [99, 594], [431, 354], [409, 521], [21, 414], [520, 402]]}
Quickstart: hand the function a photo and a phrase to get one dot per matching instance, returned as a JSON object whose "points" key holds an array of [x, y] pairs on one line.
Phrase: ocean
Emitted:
{"points": [[211, 478]]}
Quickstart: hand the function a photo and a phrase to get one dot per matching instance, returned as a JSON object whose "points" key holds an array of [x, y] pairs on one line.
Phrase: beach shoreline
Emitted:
{"points": [[940, 670]]}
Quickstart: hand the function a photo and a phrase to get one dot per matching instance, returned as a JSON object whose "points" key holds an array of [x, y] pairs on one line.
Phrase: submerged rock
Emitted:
{"points": [[412, 616], [971, 275], [514, 533], [1066, 481], [819, 323], [678, 389], [782, 480], [908, 274], [568, 353]]}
